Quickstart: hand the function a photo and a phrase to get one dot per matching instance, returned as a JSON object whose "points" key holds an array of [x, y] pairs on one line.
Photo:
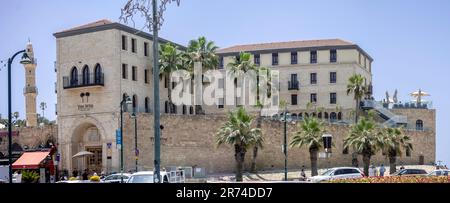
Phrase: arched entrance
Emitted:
{"points": [[88, 137]]}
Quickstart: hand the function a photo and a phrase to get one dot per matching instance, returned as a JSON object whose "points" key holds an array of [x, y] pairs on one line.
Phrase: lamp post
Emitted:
{"points": [[25, 60], [134, 116], [286, 118], [125, 100]]}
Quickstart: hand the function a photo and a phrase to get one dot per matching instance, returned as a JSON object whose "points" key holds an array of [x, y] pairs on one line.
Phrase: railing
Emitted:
{"points": [[392, 119], [293, 85], [27, 90], [83, 81], [413, 105]]}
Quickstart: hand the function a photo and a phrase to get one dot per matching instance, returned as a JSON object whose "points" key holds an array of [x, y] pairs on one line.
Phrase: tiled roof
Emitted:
{"points": [[89, 25], [285, 45]]}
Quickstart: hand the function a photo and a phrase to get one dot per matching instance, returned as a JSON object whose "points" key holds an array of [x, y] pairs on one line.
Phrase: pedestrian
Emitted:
{"points": [[302, 174], [371, 171], [74, 173], [85, 175], [382, 170], [402, 167]]}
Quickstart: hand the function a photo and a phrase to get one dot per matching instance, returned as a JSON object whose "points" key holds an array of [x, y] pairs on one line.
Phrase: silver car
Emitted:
{"points": [[116, 178], [337, 173], [441, 172]]}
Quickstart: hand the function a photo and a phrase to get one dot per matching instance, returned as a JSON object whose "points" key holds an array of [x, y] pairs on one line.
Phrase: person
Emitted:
{"points": [[371, 171], [75, 173], [402, 167], [382, 170], [85, 175], [302, 173]]}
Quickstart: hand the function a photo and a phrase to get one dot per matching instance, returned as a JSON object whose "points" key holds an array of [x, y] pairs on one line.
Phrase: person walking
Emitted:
{"points": [[302, 174], [382, 170], [85, 175], [371, 171]]}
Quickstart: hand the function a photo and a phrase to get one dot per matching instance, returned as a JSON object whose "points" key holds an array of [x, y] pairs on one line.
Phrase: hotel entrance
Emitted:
{"points": [[94, 162]]}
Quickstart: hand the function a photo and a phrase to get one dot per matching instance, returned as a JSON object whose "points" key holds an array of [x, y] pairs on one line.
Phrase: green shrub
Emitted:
{"points": [[30, 176]]}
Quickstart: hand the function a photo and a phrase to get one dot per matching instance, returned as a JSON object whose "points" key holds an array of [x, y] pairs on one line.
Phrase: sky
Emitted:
{"points": [[409, 40]]}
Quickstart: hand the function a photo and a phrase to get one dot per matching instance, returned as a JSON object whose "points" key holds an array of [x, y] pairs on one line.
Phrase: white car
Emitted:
{"points": [[116, 178], [141, 177], [338, 173], [167, 177]]}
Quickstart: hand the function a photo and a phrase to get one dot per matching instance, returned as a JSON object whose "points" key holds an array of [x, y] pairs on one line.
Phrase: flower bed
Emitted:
{"points": [[396, 179]]}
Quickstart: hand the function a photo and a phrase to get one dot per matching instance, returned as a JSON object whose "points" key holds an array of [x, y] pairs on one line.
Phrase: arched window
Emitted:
{"points": [[300, 116], [333, 116], [294, 116], [191, 110], [306, 115], [125, 106], [147, 105], [184, 109], [174, 109], [98, 74], [135, 103], [166, 107], [319, 115], [86, 75], [74, 76], [419, 125], [326, 115], [339, 117], [313, 114]]}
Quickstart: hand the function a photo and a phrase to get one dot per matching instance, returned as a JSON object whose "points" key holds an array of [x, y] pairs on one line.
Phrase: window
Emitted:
{"points": [[86, 75], [134, 73], [419, 125], [135, 106], [333, 98], [345, 151], [333, 56], [340, 116], [313, 98], [313, 57], [257, 59], [221, 63], [333, 116], [326, 115], [166, 82], [166, 107], [124, 71], [124, 42], [74, 76], [408, 152], [191, 110], [275, 59], [98, 74], [333, 77], [146, 76], [145, 49], [147, 105], [184, 110], [313, 78], [133, 45], [221, 83], [221, 103], [294, 99], [294, 58]]}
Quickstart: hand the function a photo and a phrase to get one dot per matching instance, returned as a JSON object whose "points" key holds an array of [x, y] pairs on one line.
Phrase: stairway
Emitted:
{"points": [[392, 120]]}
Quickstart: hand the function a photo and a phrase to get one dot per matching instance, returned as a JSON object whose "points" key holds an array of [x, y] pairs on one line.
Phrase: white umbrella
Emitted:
{"points": [[419, 94], [83, 154]]}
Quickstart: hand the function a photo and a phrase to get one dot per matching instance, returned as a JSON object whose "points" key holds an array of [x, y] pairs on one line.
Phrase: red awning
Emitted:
{"points": [[30, 160]]}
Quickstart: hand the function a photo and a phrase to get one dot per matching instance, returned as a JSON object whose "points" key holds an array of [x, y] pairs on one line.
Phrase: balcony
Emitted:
{"points": [[91, 80], [27, 90], [293, 85]]}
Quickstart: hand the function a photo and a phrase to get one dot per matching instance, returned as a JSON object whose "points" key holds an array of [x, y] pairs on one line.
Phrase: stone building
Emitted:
{"points": [[101, 63]]}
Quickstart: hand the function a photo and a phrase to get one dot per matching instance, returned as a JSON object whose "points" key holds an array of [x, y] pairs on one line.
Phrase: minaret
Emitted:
{"points": [[30, 91]]}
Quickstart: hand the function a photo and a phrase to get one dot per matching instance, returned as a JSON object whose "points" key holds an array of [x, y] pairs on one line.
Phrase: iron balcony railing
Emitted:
{"points": [[293, 85], [83, 81]]}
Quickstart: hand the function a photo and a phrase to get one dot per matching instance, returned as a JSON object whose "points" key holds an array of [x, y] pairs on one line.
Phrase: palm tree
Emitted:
{"points": [[356, 86], [170, 60], [394, 140], [309, 134], [238, 131], [364, 140], [204, 51]]}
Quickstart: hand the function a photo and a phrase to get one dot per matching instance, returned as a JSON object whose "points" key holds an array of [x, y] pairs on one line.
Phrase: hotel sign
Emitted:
{"points": [[85, 107]]}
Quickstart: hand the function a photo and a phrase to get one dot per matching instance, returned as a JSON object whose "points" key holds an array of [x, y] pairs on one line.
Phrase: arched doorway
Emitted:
{"points": [[87, 137]]}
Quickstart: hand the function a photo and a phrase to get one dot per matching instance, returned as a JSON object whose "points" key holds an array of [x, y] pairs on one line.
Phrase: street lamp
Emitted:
{"points": [[134, 116], [126, 100], [24, 60], [285, 119]]}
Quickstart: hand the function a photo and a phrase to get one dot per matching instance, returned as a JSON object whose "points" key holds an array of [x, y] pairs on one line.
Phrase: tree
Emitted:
{"points": [[393, 142], [356, 86], [203, 51], [309, 134], [170, 60], [365, 140], [238, 132]]}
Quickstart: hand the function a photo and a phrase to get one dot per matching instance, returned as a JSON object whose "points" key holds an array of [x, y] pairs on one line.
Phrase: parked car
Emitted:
{"points": [[410, 172], [141, 177], [337, 173], [116, 178], [167, 177], [441, 172]]}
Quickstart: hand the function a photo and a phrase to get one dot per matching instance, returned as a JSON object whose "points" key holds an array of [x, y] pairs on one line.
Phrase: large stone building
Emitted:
{"points": [[101, 63]]}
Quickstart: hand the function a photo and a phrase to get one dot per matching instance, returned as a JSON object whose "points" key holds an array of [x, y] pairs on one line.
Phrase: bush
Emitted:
{"points": [[95, 179], [30, 176], [396, 179]]}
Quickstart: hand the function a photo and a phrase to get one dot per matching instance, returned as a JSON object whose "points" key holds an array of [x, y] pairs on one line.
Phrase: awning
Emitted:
{"points": [[30, 160]]}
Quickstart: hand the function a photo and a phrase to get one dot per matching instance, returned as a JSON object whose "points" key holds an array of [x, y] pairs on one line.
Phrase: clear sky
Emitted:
{"points": [[409, 40]]}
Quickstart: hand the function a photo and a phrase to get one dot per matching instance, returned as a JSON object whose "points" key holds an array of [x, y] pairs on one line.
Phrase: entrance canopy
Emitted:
{"points": [[30, 160]]}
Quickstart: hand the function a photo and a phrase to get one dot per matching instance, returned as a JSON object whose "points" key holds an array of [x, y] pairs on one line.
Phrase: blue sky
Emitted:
{"points": [[409, 40]]}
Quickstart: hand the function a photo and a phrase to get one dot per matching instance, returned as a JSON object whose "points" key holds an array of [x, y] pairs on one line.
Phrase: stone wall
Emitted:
{"points": [[29, 137], [189, 141]]}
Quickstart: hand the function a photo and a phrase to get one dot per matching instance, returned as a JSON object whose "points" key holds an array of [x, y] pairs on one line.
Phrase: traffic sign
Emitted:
{"points": [[118, 137]]}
